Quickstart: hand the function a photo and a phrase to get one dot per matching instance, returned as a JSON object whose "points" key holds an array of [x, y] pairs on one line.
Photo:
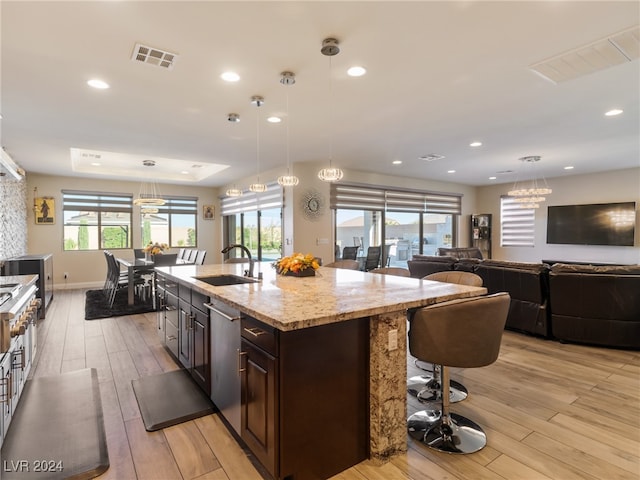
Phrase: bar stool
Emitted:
{"points": [[463, 333], [426, 388]]}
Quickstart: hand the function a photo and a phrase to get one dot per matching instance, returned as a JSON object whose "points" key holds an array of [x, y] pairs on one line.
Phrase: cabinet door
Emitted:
{"points": [[259, 400], [185, 336], [201, 364]]}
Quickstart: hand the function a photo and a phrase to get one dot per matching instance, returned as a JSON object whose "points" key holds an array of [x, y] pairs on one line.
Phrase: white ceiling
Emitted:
{"points": [[440, 75]]}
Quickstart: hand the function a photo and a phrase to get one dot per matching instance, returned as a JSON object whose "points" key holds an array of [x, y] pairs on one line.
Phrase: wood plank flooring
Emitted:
{"points": [[550, 411]]}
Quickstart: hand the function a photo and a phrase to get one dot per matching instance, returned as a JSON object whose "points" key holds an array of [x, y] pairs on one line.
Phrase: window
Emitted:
{"points": [[173, 224], [517, 224], [96, 221], [410, 222], [255, 221]]}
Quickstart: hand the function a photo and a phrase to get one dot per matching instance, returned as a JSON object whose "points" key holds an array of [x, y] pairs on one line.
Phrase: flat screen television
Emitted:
{"points": [[596, 224]]}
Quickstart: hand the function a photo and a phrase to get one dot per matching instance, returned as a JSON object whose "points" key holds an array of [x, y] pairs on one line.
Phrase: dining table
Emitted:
{"points": [[140, 266]]}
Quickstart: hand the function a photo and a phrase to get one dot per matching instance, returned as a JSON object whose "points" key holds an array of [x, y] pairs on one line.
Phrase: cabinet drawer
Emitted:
{"points": [[260, 334], [198, 300], [171, 286]]}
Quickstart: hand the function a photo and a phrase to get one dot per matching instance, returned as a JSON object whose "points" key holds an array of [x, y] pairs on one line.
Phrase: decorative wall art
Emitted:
{"points": [[45, 210], [208, 212]]}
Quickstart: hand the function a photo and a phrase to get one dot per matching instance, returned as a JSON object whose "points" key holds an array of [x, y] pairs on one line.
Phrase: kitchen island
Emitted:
{"points": [[338, 343]]}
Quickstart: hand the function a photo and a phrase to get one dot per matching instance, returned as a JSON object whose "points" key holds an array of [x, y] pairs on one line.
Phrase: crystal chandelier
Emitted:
{"points": [[149, 195], [288, 180], [530, 193], [257, 187], [332, 174]]}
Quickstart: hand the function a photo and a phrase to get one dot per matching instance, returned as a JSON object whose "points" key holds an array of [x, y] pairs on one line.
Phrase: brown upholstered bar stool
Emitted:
{"points": [[464, 333], [426, 388]]}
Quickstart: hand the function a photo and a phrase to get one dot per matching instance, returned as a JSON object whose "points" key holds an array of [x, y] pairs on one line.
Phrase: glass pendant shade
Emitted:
{"points": [[234, 192], [330, 174], [258, 187], [288, 180]]}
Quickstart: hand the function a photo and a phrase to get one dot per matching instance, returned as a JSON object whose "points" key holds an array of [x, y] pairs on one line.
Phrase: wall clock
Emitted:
{"points": [[312, 204]]}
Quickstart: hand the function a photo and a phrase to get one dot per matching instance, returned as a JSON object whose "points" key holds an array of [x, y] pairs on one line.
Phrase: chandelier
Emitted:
{"points": [[288, 180], [149, 196], [332, 174], [234, 192], [257, 187], [529, 193]]}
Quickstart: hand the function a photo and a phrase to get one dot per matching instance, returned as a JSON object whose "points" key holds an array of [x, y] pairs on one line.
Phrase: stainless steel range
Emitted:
{"points": [[18, 341]]}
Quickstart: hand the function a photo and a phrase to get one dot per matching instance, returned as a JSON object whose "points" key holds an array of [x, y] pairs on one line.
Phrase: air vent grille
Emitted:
{"points": [[431, 157], [153, 56], [618, 48]]}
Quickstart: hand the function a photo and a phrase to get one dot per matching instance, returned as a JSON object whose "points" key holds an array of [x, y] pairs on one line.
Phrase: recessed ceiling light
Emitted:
{"points": [[451, 171], [613, 112], [274, 119], [356, 71], [492, 178], [570, 167], [475, 144], [230, 77], [184, 172], [96, 164], [95, 83], [397, 162]]}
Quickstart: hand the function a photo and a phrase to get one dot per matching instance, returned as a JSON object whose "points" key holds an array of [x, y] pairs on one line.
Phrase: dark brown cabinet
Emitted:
{"points": [[304, 392], [259, 395]]}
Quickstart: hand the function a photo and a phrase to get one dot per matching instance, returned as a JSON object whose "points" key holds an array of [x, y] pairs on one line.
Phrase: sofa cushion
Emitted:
{"points": [[597, 269], [461, 252]]}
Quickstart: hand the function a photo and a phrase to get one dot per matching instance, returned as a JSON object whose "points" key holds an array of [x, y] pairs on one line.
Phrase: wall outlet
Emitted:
{"points": [[393, 339], [66, 275]]}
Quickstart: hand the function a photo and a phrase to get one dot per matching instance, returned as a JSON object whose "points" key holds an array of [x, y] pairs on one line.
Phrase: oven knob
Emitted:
{"points": [[36, 302], [17, 329]]}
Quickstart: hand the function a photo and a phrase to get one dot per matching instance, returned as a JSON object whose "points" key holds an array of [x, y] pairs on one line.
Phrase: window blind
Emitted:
{"points": [[517, 224], [251, 201], [74, 200], [183, 205], [365, 197]]}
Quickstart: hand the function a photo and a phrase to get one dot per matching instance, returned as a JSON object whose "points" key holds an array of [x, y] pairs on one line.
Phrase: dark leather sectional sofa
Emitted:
{"points": [[590, 304]]}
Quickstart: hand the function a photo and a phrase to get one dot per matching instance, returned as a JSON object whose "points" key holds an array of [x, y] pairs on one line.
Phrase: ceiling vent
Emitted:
{"points": [[153, 56], [431, 157], [618, 48]]}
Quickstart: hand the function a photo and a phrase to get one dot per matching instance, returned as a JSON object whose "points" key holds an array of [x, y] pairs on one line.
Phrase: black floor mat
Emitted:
{"points": [[96, 305], [57, 430], [170, 398]]}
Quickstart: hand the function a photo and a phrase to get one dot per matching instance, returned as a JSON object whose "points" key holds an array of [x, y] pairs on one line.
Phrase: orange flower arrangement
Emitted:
{"points": [[155, 248], [296, 263]]}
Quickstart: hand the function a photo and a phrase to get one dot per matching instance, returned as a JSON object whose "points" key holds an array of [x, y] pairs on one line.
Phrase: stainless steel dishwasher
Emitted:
{"points": [[225, 361]]}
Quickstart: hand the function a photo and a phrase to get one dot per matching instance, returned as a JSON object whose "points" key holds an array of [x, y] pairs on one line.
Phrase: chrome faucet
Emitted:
{"points": [[228, 248]]}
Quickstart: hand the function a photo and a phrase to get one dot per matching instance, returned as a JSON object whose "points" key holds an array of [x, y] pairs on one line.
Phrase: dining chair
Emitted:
{"points": [[373, 258], [200, 257], [192, 256], [165, 259], [347, 264], [400, 272], [138, 253], [181, 253], [350, 253]]}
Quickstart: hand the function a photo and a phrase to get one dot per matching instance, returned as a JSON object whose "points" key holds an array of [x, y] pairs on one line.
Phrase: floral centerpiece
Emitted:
{"points": [[298, 264], [155, 248]]}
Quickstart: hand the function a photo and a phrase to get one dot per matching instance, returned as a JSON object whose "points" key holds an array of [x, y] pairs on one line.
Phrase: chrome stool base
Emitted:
{"points": [[426, 389], [459, 435]]}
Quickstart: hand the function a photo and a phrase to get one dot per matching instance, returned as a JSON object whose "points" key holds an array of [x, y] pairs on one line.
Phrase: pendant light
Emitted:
{"points": [[332, 174], [289, 180], [234, 192], [529, 194], [149, 195], [257, 187]]}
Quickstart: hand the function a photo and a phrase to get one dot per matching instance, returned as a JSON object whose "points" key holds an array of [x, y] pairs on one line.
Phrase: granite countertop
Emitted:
{"points": [[332, 295]]}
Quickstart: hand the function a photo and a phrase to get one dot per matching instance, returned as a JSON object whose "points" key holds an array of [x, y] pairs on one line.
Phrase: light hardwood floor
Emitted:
{"points": [[550, 411]]}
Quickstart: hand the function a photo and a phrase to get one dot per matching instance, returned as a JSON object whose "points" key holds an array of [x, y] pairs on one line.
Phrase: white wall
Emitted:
{"points": [[616, 186], [88, 268]]}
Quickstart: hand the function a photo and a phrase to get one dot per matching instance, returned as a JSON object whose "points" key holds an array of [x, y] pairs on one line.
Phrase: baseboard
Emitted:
{"points": [[78, 286]]}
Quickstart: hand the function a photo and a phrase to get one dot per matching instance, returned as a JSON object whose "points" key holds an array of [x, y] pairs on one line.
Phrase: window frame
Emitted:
{"points": [[99, 203], [175, 205]]}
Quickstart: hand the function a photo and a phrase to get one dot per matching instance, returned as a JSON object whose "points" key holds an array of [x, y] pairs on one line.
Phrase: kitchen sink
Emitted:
{"points": [[225, 279]]}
